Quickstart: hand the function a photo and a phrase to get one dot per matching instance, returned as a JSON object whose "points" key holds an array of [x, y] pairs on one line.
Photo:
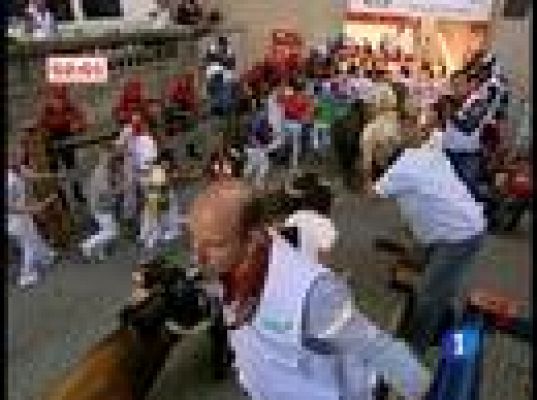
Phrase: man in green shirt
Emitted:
{"points": [[324, 116]]}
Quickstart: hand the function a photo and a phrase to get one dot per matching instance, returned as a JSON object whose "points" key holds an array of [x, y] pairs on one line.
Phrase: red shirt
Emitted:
{"points": [[124, 112], [132, 100], [67, 120], [298, 107], [519, 182], [181, 92]]}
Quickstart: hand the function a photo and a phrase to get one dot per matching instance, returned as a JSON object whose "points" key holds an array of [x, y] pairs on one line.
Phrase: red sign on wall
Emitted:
{"points": [[77, 69]]}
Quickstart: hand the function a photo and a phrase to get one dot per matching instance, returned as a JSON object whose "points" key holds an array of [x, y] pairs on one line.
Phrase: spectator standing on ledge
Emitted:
{"points": [[39, 20]]}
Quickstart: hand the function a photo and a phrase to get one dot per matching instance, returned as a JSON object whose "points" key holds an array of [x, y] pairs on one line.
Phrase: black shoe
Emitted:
{"points": [[381, 390]]}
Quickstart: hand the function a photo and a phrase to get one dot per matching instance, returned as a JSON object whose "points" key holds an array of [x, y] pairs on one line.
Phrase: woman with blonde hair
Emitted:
{"points": [[382, 134]]}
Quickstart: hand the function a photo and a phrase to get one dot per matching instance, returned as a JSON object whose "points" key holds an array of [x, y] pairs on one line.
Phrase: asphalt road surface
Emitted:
{"points": [[52, 324]]}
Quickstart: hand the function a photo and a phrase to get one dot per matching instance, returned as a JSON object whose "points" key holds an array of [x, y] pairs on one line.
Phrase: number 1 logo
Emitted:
{"points": [[458, 342]]}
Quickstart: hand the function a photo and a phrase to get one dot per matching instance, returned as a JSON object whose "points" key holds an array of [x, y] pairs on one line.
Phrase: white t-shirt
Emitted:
{"points": [[437, 205], [143, 150], [360, 87], [275, 114], [315, 232], [16, 190]]}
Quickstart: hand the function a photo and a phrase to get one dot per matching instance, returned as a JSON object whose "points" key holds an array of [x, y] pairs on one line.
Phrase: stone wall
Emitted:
{"points": [[156, 62], [313, 18], [512, 44]]}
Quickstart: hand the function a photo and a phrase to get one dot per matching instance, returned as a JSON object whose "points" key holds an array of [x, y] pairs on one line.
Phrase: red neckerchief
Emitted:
{"points": [[245, 281]]}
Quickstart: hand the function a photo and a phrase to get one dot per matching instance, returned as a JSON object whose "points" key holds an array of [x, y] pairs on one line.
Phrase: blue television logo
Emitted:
{"points": [[460, 343]]}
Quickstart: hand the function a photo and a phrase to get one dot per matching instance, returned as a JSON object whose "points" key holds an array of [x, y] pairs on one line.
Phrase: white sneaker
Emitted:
{"points": [[100, 254], [170, 235], [86, 250], [50, 258], [28, 279], [149, 244]]}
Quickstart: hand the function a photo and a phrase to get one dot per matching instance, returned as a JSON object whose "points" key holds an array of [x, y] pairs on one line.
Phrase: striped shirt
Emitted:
{"points": [[486, 104]]}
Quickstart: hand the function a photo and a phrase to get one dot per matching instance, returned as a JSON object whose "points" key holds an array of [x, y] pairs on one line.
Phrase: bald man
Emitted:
{"points": [[293, 328]]}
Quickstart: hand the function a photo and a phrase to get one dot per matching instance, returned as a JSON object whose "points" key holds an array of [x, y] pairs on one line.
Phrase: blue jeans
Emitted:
{"points": [[441, 289]]}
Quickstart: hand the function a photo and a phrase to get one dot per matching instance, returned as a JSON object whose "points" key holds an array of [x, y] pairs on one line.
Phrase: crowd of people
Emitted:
{"points": [[292, 324], [397, 129]]}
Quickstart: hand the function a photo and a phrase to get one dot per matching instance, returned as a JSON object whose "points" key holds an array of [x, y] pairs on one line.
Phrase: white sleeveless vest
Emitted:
{"points": [[272, 363]]}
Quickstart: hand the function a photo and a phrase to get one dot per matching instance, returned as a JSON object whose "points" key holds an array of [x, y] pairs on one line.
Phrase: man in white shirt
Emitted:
{"points": [[294, 330], [445, 219], [20, 224], [103, 190], [40, 20], [140, 151]]}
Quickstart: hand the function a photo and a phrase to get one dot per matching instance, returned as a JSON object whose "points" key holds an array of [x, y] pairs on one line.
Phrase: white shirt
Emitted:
{"points": [[142, 151], [214, 69], [435, 140], [275, 114], [270, 357], [456, 140], [16, 190], [316, 232], [360, 87], [43, 22], [437, 205], [276, 358]]}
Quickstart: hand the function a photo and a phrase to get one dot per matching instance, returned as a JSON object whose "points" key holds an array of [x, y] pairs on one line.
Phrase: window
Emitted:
{"points": [[61, 9], [95, 9], [516, 8], [15, 8]]}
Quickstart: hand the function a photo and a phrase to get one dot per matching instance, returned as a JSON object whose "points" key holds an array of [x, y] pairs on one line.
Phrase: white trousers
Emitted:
{"points": [[293, 129], [131, 190], [257, 164], [161, 226], [34, 249], [320, 136], [108, 231]]}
